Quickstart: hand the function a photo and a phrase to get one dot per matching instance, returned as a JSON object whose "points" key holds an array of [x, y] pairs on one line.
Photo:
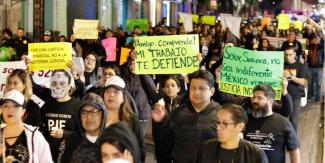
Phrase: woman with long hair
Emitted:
{"points": [[119, 109]]}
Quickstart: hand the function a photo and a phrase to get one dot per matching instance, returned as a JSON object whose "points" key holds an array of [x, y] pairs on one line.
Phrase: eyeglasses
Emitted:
{"points": [[92, 113], [223, 125], [90, 59]]}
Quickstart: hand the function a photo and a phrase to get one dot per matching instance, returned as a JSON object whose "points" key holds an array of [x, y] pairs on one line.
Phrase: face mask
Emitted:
{"points": [[59, 83]]}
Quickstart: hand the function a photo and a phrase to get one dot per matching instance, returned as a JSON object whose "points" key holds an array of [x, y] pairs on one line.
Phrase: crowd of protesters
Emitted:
{"points": [[106, 115]]}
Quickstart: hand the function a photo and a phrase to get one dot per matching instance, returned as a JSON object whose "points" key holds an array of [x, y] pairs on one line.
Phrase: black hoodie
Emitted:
{"points": [[81, 149], [121, 133]]}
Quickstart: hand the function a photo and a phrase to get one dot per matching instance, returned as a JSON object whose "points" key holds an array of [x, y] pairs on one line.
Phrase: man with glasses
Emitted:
{"points": [[270, 131], [228, 146], [296, 73], [191, 123], [83, 145]]}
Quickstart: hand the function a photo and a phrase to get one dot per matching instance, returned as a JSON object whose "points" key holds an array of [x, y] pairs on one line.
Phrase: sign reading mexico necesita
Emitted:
{"points": [[173, 54]]}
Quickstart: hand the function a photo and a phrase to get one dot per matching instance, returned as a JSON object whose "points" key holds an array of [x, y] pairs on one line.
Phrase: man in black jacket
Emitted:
{"points": [[21, 43], [192, 123], [229, 147]]}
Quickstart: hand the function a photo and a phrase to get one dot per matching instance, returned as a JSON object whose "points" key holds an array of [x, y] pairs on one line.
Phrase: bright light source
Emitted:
{"points": [[273, 2]]}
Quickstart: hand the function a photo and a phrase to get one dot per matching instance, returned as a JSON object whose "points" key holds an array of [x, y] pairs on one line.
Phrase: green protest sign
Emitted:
{"points": [[142, 23], [243, 69], [173, 54], [7, 54]]}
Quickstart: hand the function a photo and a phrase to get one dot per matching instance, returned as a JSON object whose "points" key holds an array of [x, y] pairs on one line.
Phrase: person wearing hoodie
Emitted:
{"points": [[92, 120], [23, 143], [118, 142], [191, 123]]}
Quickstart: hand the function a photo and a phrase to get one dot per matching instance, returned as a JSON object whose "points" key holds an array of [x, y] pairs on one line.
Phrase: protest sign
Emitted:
{"points": [[166, 54], [283, 21], [142, 23], [85, 29], [110, 47], [243, 69], [195, 18], [124, 55], [7, 54], [232, 23], [265, 21], [297, 25], [49, 56], [210, 20], [79, 62], [187, 21]]}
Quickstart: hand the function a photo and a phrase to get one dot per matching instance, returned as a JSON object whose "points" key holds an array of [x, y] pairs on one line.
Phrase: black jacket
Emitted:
{"points": [[143, 90], [86, 151], [185, 130], [246, 153], [158, 136]]}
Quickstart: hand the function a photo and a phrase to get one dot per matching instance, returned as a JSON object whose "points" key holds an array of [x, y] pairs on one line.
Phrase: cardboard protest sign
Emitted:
{"points": [[265, 21], [232, 23], [142, 23], [284, 21], [124, 55], [110, 47], [166, 54], [49, 56], [85, 29], [210, 20], [243, 69], [7, 54], [187, 21], [297, 25], [195, 18]]}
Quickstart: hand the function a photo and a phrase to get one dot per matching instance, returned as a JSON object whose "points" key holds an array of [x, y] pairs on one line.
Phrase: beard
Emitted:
{"points": [[260, 111]]}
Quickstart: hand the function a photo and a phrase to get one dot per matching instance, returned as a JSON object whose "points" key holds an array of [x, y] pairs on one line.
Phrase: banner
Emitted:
{"points": [[166, 54], [277, 41], [232, 23], [85, 29], [283, 21], [110, 47], [124, 55], [187, 21], [210, 20], [7, 54], [243, 69], [49, 56], [142, 23]]}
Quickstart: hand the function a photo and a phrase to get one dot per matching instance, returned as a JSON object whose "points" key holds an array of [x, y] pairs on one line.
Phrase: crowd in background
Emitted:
{"points": [[106, 115]]}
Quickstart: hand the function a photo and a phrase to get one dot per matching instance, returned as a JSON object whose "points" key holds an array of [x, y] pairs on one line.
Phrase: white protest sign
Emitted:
{"points": [[187, 21], [232, 22]]}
